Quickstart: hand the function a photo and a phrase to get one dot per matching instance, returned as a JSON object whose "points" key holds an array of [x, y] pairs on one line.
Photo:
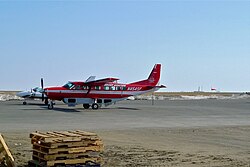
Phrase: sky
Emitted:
{"points": [[199, 43]]}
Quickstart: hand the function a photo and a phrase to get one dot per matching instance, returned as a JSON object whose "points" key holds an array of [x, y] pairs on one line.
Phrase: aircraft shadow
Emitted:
{"points": [[32, 109], [120, 108], [35, 104], [63, 110], [29, 104]]}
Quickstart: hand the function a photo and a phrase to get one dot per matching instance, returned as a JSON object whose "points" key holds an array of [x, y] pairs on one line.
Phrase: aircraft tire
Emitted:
{"points": [[95, 106], [24, 103], [50, 107], [86, 106]]}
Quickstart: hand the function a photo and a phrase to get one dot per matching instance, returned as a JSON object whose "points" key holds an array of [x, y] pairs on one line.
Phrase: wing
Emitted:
{"points": [[100, 81], [91, 78]]}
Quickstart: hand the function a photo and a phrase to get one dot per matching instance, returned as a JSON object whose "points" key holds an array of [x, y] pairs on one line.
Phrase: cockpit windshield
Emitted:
{"points": [[37, 89], [68, 85]]}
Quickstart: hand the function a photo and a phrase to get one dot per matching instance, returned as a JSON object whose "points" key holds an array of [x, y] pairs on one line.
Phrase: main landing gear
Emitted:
{"points": [[94, 106], [86, 106]]}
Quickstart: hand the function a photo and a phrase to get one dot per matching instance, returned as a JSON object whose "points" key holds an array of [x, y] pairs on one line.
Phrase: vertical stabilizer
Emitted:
{"points": [[153, 78]]}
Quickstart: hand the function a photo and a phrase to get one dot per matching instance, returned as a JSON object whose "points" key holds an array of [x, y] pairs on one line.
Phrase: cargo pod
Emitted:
{"points": [[107, 102]]}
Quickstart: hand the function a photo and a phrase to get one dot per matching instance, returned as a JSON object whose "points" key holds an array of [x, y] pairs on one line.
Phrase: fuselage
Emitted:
{"points": [[105, 91]]}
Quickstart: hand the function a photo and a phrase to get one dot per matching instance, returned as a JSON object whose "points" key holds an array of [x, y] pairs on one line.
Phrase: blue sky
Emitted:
{"points": [[198, 43]]}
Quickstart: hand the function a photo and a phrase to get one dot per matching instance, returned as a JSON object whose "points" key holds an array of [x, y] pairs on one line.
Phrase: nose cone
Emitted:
{"points": [[54, 93], [23, 94]]}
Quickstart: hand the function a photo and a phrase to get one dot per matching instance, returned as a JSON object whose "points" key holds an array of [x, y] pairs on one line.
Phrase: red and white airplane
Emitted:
{"points": [[105, 91]]}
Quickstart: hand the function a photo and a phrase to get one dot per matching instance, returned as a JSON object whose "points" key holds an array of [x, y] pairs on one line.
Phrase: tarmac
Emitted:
{"points": [[14, 116]]}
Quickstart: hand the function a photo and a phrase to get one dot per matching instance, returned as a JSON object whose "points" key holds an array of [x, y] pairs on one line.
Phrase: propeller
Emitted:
{"points": [[42, 89]]}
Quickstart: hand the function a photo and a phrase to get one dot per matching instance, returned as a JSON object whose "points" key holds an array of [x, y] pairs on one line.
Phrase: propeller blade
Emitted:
{"points": [[42, 89], [42, 83]]}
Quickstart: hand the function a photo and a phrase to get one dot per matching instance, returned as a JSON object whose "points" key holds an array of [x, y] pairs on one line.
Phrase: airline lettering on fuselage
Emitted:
{"points": [[134, 88]]}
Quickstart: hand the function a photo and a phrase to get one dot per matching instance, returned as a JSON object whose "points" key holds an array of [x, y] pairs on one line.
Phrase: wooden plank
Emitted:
{"points": [[68, 134], [63, 136], [55, 134], [48, 157], [84, 149], [6, 152], [74, 161], [84, 133], [70, 144], [40, 134], [89, 135], [68, 161], [57, 139], [66, 150]]}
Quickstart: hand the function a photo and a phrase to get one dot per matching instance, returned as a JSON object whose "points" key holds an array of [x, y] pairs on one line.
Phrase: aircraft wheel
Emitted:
{"points": [[86, 106], [24, 103], [95, 106], [50, 106]]}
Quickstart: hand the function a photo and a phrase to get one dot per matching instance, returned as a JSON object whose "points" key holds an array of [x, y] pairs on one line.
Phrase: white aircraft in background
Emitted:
{"points": [[32, 94], [35, 93]]}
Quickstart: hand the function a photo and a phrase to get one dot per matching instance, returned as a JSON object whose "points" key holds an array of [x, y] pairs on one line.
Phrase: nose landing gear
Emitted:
{"points": [[51, 105]]}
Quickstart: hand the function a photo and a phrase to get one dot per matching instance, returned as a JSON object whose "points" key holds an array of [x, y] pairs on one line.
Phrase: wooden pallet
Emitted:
{"points": [[5, 154], [66, 147]]}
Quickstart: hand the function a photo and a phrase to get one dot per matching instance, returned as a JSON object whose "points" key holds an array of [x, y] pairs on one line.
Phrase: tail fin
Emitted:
{"points": [[153, 78]]}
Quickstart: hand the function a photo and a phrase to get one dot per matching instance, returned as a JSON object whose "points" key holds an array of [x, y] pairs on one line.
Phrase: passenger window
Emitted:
{"points": [[97, 87], [106, 87], [123, 88], [112, 88], [85, 87]]}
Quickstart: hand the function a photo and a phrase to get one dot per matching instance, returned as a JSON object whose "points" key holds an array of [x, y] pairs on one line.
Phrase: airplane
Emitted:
{"points": [[95, 93], [34, 93]]}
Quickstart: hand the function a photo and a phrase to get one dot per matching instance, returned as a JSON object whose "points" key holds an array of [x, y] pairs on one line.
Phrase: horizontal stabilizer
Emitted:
{"points": [[161, 86]]}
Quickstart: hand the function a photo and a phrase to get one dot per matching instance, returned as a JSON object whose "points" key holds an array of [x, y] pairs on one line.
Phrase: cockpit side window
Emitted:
{"points": [[35, 89], [77, 87], [68, 85]]}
